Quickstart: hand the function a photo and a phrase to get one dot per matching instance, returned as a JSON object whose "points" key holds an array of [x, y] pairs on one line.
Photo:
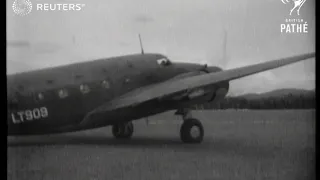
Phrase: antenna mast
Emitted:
{"points": [[224, 51], [142, 52]]}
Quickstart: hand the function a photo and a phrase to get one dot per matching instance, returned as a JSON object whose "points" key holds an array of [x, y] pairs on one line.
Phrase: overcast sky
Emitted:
{"points": [[184, 30]]}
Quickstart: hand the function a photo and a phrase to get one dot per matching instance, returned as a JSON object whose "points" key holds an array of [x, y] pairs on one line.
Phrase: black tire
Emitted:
{"points": [[129, 130], [123, 130], [186, 134]]}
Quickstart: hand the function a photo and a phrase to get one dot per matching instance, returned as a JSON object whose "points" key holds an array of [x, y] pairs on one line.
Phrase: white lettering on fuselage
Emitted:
{"points": [[29, 115]]}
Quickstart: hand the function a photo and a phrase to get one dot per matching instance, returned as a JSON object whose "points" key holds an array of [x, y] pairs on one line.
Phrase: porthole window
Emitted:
{"points": [[40, 96], [63, 93], [84, 88], [105, 84], [127, 80]]}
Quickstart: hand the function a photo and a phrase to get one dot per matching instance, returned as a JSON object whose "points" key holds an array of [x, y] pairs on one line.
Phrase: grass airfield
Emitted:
{"points": [[237, 145]]}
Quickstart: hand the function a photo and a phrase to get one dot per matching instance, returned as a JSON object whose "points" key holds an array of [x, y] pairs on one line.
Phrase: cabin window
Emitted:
{"points": [[127, 80], [40, 96], [63, 93], [105, 84], [84, 88], [163, 62]]}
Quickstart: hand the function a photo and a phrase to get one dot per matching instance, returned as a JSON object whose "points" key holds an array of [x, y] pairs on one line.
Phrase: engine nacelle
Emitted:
{"points": [[196, 93], [219, 90], [220, 93], [212, 93]]}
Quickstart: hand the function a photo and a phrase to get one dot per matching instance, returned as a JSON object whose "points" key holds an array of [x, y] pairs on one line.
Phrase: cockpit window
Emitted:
{"points": [[163, 62]]}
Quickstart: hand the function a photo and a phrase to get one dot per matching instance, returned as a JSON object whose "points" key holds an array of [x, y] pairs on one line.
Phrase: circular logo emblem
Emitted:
{"points": [[22, 7]]}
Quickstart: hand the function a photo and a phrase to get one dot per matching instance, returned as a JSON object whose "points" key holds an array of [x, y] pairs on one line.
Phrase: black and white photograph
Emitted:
{"points": [[161, 89]]}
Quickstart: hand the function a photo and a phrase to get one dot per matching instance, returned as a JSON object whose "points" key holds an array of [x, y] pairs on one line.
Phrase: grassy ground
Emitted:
{"points": [[237, 145]]}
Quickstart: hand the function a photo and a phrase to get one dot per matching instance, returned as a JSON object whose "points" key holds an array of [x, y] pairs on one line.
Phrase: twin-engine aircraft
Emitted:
{"points": [[115, 91]]}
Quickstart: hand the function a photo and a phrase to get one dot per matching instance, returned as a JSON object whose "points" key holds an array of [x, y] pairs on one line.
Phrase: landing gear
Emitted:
{"points": [[123, 130], [191, 130]]}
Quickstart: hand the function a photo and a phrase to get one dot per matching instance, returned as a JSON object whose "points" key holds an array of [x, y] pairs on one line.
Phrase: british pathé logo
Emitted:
{"points": [[297, 4], [294, 25]]}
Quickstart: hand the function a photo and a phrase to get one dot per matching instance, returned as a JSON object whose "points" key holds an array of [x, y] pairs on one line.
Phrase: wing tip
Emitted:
{"points": [[310, 54]]}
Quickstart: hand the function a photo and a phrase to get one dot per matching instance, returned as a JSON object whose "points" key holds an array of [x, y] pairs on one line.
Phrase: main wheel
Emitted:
{"points": [[191, 131], [122, 130]]}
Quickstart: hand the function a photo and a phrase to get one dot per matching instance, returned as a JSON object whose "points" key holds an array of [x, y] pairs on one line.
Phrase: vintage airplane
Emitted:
{"points": [[115, 91]]}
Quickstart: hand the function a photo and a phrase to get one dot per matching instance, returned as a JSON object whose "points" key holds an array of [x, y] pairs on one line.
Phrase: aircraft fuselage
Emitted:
{"points": [[54, 100]]}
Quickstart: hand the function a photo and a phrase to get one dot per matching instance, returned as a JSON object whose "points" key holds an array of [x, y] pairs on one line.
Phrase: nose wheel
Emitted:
{"points": [[123, 130]]}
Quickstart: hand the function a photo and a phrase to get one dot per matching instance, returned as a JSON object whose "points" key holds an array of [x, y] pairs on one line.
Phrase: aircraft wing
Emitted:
{"points": [[172, 87]]}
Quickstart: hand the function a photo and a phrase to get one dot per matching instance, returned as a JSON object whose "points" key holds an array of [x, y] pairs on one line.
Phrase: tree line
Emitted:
{"points": [[289, 101]]}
